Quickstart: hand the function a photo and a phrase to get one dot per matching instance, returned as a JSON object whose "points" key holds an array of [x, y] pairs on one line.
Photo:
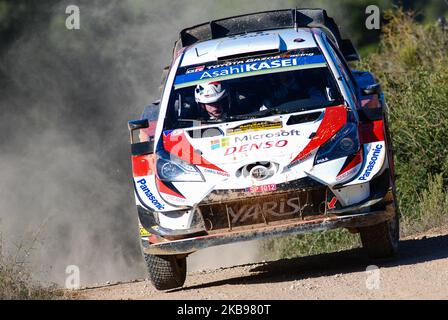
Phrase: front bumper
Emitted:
{"points": [[312, 214], [190, 245]]}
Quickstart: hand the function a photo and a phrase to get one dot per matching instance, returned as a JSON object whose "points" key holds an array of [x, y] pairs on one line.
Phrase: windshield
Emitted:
{"points": [[251, 88]]}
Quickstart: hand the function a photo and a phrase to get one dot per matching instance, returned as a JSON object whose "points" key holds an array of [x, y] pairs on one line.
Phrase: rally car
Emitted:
{"points": [[262, 130]]}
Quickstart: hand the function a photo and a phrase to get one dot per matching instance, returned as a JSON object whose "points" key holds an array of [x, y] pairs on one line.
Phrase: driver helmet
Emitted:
{"points": [[210, 93], [212, 98]]}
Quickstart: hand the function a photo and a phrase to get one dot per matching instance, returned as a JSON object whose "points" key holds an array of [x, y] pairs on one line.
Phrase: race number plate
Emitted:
{"points": [[265, 188]]}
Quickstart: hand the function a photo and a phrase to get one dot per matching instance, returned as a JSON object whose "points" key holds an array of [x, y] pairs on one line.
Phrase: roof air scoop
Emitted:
{"points": [[252, 44], [268, 20]]}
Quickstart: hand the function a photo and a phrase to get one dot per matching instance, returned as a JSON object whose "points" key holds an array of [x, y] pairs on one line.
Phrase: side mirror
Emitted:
{"points": [[371, 90], [140, 148], [138, 124], [143, 148]]}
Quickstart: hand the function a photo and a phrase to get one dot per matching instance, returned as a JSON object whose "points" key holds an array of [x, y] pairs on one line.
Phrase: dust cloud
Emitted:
{"points": [[230, 255], [66, 97]]}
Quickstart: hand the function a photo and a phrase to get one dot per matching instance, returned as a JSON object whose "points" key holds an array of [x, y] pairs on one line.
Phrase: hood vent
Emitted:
{"points": [[249, 45], [303, 118]]}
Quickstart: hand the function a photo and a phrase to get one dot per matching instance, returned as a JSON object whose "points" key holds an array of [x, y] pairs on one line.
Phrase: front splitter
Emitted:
{"points": [[190, 245]]}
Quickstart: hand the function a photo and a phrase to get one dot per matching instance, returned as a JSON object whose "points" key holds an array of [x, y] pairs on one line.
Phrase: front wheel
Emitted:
{"points": [[166, 272], [381, 241]]}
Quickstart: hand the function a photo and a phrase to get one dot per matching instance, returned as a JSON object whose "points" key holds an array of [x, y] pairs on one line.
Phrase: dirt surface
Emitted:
{"points": [[420, 271]]}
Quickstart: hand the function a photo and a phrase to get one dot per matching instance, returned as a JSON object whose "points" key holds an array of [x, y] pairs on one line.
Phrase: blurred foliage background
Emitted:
{"points": [[18, 15], [411, 63]]}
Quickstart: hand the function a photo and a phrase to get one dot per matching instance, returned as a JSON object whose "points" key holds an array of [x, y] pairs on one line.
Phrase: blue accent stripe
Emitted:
{"points": [[210, 73]]}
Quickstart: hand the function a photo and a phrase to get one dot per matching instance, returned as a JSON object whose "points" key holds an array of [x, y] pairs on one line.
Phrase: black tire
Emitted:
{"points": [[380, 241], [166, 272]]}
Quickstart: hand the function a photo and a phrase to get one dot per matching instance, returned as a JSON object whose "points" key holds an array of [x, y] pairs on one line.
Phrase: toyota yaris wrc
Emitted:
{"points": [[262, 131]]}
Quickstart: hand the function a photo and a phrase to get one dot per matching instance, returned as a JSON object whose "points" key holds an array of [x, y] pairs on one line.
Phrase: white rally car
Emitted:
{"points": [[297, 143]]}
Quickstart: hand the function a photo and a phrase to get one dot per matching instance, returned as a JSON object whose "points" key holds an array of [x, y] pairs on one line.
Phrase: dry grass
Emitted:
{"points": [[16, 282], [432, 209]]}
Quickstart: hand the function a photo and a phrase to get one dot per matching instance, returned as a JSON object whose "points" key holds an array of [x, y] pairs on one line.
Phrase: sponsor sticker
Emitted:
{"points": [[173, 199], [269, 135], [322, 160], [371, 165], [144, 232], [282, 208], [219, 143], [235, 69], [255, 126], [301, 160], [195, 69], [265, 188], [149, 194], [221, 173], [301, 53], [348, 173], [256, 146]]}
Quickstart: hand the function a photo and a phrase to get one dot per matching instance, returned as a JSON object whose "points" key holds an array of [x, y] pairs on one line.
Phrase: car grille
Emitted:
{"points": [[243, 212]]}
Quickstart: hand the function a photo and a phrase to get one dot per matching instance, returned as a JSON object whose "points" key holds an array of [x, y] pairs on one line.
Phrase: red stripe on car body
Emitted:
{"points": [[141, 166], [355, 161], [334, 119], [332, 203], [165, 189], [372, 131], [178, 145]]}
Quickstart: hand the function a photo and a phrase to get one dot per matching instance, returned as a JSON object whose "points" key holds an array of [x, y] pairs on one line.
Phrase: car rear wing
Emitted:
{"points": [[268, 20]]}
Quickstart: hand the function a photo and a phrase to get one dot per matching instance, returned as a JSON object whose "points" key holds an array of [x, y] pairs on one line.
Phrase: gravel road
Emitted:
{"points": [[420, 271]]}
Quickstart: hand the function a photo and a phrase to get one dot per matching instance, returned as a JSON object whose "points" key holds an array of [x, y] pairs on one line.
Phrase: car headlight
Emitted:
{"points": [[344, 143], [172, 169]]}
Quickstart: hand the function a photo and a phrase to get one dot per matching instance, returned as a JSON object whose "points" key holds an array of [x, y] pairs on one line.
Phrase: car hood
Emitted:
{"points": [[228, 154]]}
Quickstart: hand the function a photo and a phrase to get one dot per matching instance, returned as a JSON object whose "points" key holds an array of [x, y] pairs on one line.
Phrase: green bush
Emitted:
{"points": [[432, 208], [412, 66], [310, 244]]}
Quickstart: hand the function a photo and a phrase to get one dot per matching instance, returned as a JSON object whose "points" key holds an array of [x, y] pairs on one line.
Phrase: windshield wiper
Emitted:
{"points": [[257, 114], [202, 121]]}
